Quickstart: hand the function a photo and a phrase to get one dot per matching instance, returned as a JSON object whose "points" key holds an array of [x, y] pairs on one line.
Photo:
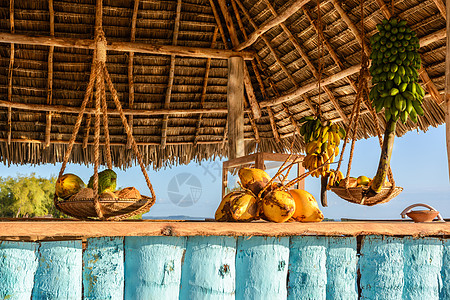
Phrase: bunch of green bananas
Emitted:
{"points": [[322, 144], [394, 70]]}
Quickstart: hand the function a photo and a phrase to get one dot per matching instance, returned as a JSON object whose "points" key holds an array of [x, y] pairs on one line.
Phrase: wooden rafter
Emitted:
{"points": [[48, 126], [205, 85], [256, 110], [10, 69], [130, 69], [258, 79], [352, 26], [305, 58], [171, 76], [441, 6], [272, 23], [195, 52], [423, 74]]}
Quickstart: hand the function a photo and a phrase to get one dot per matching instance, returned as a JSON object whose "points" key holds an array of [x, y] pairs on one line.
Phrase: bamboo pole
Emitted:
{"points": [[447, 89], [48, 126], [256, 110], [171, 76], [272, 23], [10, 69], [235, 102], [130, 69], [195, 52]]}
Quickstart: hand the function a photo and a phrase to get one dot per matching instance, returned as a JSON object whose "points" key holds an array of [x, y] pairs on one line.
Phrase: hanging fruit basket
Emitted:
{"points": [[95, 207]]}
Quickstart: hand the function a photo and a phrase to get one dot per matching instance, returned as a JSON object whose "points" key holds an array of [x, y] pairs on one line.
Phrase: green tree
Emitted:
{"points": [[27, 195]]}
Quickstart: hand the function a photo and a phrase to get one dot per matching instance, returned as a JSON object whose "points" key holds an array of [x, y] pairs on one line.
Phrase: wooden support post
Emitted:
{"points": [[171, 76], [10, 69], [130, 69], [48, 125], [272, 23], [235, 100], [447, 89], [254, 105]]}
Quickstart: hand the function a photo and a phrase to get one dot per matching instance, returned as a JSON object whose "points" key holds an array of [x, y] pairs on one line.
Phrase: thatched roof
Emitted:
{"points": [[285, 57]]}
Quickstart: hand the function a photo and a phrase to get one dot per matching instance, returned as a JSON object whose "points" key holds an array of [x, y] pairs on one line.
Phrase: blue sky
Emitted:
{"points": [[419, 164]]}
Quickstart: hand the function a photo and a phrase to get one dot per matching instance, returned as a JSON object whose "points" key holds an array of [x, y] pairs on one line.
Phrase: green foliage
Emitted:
{"points": [[27, 195]]}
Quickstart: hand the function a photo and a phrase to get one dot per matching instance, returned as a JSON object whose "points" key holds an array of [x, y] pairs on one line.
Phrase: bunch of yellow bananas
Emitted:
{"points": [[334, 177], [322, 144]]}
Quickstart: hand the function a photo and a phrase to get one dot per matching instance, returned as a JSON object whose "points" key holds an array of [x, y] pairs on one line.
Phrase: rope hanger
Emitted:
{"points": [[99, 74]]}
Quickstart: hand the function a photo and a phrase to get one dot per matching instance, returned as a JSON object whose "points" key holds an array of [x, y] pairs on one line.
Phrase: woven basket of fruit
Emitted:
{"points": [[358, 195]]}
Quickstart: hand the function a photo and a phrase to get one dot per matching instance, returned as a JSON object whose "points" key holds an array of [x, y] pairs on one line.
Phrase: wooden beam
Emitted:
{"points": [[422, 72], [205, 85], [130, 69], [293, 121], [433, 37], [440, 5], [311, 86], [195, 52], [48, 126], [136, 112], [10, 69], [235, 102], [258, 76], [272, 23], [351, 26], [447, 90], [171, 76], [305, 58], [247, 80]]}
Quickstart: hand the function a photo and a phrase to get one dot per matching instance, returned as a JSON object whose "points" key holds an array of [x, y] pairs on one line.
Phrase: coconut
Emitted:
{"points": [[306, 207], [278, 206], [128, 193], [253, 179]]}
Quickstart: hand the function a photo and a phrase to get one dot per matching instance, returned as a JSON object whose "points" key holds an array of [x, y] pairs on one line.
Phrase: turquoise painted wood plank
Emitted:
{"points": [[341, 268], [422, 268], [381, 268], [261, 268], [59, 272], [307, 267], [445, 271], [153, 267], [103, 270], [209, 268], [18, 263]]}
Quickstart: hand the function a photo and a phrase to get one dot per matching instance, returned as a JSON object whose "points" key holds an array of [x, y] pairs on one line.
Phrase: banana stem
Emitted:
{"points": [[323, 190], [385, 158]]}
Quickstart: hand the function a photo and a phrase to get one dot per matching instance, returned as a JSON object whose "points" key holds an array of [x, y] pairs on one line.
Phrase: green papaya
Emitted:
{"points": [[107, 181]]}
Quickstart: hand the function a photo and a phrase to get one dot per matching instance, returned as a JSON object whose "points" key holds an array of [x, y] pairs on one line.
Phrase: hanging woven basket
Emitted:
{"points": [[103, 208], [357, 195]]}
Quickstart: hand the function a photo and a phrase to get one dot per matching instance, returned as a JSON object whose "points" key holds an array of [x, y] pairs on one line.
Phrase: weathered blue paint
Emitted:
{"points": [[18, 263], [153, 267], [103, 270], [445, 271], [381, 267], [341, 268], [422, 268], [307, 272], [59, 273], [261, 268], [209, 268]]}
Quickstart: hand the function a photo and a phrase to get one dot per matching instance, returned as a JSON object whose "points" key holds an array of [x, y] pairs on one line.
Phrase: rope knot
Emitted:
{"points": [[100, 44]]}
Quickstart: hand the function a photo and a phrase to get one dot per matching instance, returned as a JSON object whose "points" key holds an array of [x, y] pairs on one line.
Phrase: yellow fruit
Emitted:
{"points": [[362, 180], [68, 185], [278, 206], [253, 179], [223, 212], [244, 207], [306, 208]]}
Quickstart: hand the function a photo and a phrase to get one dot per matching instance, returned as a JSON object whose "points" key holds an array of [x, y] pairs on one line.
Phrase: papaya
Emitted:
{"points": [[306, 207], [68, 185], [106, 181]]}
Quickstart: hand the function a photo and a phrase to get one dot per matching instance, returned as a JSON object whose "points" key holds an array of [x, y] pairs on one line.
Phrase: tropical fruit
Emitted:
{"points": [[278, 206], [253, 179], [395, 71], [128, 193], [108, 195], [362, 180], [223, 212], [352, 182], [68, 185], [106, 181], [306, 207], [244, 207]]}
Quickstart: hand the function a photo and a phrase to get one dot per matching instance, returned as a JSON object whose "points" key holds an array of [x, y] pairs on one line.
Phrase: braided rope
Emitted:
{"points": [[105, 125], [98, 96], [127, 129]]}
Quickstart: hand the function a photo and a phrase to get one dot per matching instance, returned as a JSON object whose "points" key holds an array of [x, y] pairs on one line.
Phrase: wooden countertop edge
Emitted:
{"points": [[55, 230]]}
